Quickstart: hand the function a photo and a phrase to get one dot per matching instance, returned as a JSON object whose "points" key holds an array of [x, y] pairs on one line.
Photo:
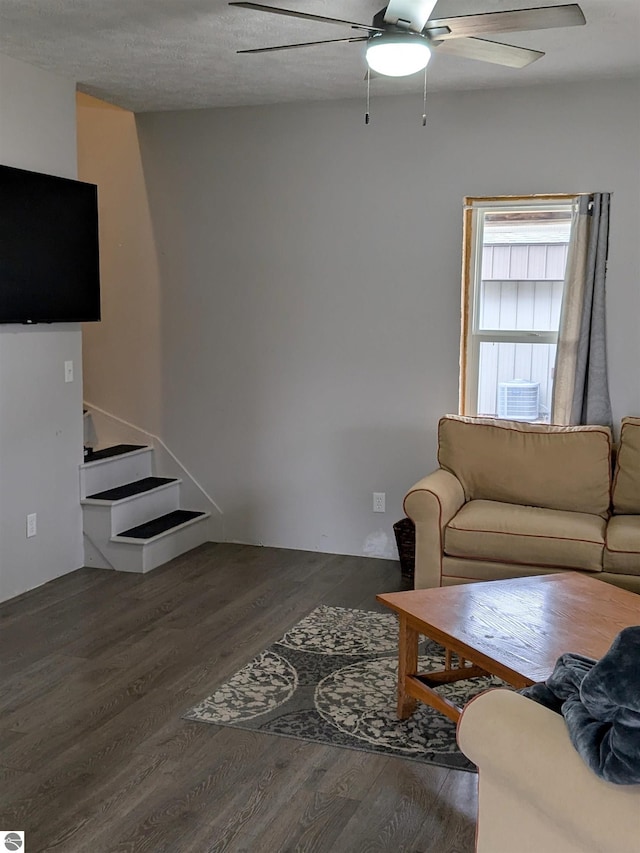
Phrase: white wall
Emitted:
{"points": [[310, 286], [40, 414]]}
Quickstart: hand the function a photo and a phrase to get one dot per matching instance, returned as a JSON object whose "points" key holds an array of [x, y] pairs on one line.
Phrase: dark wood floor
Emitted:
{"points": [[97, 668]]}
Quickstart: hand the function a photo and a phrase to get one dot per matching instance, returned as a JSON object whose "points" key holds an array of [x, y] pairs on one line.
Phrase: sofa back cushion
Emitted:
{"points": [[557, 467], [626, 482]]}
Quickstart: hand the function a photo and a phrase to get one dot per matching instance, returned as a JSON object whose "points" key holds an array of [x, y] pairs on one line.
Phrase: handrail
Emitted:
{"points": [[156, 438]]}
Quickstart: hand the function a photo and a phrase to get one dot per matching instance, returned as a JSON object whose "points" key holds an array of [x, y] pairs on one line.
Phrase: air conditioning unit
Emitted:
{"points": [[519, 400]]}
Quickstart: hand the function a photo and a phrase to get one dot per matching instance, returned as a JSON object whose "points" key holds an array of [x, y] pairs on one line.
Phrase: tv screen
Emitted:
{"points": [[49, 262]]}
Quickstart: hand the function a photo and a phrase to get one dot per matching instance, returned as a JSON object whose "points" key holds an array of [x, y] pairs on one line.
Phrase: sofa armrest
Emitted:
{"points": [[535, 788], [431, 504]]}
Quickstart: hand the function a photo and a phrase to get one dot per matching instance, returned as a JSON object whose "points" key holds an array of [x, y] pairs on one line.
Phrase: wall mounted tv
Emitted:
{"points": [[49, 263]]}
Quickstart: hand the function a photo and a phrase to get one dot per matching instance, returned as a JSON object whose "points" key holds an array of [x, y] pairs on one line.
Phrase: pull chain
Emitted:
{"points": [[366, 115], [424, 103]]}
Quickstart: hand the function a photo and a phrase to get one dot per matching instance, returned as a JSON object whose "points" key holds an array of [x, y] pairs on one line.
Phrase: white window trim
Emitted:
{"points": [[471, 336]]}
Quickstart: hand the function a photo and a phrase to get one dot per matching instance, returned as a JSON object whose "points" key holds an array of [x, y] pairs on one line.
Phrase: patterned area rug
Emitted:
{"points": [[332, 679]]}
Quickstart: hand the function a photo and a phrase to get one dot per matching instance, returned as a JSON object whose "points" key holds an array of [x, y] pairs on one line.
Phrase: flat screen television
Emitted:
{"points": [[49, 261]]}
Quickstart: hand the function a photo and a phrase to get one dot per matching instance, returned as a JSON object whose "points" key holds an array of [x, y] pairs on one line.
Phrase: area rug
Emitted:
{"points": [[332, 679]]}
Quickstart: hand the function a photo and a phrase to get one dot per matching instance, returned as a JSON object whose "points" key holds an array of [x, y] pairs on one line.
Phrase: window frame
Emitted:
{"points": [[471, 336]]}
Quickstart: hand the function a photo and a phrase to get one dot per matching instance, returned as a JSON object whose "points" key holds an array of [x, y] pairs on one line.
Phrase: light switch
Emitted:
{"points": [[32, 528], [68, 371]]}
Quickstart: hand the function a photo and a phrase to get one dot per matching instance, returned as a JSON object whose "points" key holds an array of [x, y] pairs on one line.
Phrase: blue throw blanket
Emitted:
{"points": [[600, 702]]}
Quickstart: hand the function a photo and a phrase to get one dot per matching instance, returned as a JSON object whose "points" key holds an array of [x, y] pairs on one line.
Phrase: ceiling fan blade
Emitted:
{"points": [[275, 10], [489, 51], [302, 44], [409, 14], [542, 18]]}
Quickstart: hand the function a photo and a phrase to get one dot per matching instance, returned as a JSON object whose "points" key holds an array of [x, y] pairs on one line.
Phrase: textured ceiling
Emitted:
{"points": [[181, 54]]}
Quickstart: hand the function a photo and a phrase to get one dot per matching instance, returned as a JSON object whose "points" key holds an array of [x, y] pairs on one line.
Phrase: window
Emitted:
{"points": [[515, 253]]}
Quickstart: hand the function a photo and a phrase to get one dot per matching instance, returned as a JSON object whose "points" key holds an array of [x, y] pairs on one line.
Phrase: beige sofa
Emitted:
{"points": [[535, 793], [513, 499]]}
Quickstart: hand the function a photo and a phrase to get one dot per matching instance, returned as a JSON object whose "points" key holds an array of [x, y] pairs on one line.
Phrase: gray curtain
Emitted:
{"points": [[581, 386]]}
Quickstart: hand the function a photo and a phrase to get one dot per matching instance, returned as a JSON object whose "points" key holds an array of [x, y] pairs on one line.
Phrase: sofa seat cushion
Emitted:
{"points": [[622, 550], [528, 535]]}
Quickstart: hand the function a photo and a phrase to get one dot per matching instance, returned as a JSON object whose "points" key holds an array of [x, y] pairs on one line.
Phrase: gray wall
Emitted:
{"points": [[40, 414], [310, 286]]}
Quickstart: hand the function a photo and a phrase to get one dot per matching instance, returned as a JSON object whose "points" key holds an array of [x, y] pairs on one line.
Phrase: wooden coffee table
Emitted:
{"points": [[514, 629]]}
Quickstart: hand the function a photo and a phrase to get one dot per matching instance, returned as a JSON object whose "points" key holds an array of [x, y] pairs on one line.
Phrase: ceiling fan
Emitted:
{"points": [[402, 35]]}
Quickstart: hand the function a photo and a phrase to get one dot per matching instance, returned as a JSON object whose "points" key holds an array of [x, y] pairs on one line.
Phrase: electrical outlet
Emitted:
{"points": [[379, 502], [31, 524], [68, 371]]}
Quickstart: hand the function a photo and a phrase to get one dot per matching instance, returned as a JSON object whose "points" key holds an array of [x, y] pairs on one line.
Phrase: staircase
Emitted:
{"points": [[132, 520]]}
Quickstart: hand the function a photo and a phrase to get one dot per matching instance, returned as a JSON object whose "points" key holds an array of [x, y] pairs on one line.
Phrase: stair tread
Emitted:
{"points": [[161, 524], [115, 450], [129, 489]]}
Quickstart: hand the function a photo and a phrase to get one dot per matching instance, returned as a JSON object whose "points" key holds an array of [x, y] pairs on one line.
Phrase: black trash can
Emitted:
{"points": [[405, 532]]}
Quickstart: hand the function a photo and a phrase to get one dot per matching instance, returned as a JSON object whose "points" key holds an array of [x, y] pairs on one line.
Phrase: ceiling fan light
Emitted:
{"points": [[397, 55]]}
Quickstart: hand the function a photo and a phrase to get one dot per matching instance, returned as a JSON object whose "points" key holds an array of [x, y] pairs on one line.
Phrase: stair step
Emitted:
{"points": [[162, 524], [115, 450], [114, 467], [130, 489]]}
